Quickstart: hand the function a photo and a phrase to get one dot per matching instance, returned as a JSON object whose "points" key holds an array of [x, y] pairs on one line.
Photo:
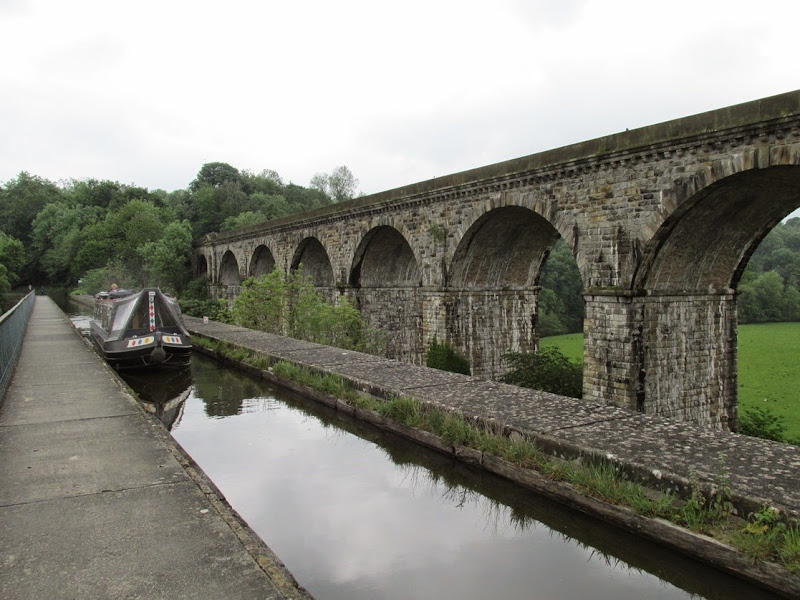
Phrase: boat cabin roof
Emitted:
{"points": [[131, 314]]}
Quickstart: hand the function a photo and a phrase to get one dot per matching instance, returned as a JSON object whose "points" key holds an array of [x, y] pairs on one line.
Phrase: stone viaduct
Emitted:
{"points": [[661, 221]]}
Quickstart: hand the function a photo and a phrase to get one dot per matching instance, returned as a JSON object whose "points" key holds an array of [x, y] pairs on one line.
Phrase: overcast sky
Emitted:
{"points": [[146, 92]]}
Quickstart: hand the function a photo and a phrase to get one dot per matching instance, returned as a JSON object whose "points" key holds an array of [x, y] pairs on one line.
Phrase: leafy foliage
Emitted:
{"points": [[166, 259], [101, 232], [444, 357], [769, 290], [340, 185], [547, 370], [560, 297], [761, 422], [196, 302], [12, 257], [287, 304]]}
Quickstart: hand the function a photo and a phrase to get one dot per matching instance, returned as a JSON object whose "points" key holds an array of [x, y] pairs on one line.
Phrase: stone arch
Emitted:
{"points": [[384, 258], [201, 269], [385, 279], [262, 262], [504, 248], [229, 274], [315, 260], [685, 292], [706, 242], [491, 304]]}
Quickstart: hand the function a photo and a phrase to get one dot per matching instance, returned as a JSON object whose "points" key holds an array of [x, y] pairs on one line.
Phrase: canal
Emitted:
{"points": [[357, 513]]}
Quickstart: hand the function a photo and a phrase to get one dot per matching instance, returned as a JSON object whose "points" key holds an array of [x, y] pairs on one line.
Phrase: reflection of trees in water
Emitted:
{"points": [[222, 390]]}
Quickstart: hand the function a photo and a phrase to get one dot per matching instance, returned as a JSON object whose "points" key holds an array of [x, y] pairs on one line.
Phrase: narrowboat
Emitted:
{"points": [[134, 330]]}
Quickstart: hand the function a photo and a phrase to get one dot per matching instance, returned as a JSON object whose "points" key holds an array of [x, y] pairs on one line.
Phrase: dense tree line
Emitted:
{"points": [[97, 232]]}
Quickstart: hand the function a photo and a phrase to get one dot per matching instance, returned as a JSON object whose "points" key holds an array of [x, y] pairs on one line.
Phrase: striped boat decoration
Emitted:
{"points": [[135, 342]]}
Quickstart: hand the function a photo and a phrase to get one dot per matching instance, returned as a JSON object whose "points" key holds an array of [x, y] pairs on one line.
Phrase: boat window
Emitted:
{"points": [[122, 312]]}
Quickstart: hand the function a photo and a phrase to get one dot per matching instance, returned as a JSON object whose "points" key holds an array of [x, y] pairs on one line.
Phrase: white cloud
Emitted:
{"points": [[147, 93]]}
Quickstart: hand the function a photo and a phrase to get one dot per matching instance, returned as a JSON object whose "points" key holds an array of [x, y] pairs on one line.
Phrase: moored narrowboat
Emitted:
{"points": [[140, 330]]}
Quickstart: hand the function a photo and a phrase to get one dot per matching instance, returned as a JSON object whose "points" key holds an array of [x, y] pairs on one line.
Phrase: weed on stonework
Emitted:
{"points": [[325, 383], [703, 511], [606, 482], [766, 537], [789, 551]]}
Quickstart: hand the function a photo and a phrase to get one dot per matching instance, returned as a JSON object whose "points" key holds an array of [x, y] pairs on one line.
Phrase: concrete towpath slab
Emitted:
{"points": [[98, 501]]}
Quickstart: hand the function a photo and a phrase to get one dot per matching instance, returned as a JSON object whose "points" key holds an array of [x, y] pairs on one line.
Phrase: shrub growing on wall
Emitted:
{"points": [[444, 357], [548, 370]]}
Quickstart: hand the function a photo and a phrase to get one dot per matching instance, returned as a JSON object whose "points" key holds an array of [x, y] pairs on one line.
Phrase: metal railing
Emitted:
{"points": [[12, 330]]}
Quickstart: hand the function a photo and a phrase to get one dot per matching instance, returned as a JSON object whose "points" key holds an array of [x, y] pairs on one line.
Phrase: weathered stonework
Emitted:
{"points": [[661, 221]]}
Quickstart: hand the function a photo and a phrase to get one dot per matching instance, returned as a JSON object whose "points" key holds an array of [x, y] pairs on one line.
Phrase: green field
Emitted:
{"points": [[769, 368]]}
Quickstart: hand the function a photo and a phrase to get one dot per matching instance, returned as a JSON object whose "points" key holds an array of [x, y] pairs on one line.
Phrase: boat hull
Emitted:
{"points": [[148, 352], [142, 330]]}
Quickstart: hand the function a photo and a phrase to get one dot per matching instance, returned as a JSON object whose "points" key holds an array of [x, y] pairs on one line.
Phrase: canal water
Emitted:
{"points": [[357, 513]]}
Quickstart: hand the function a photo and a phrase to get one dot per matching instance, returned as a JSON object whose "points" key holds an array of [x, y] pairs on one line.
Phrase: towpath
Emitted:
{"points": [[662, 451], [98, 501]]}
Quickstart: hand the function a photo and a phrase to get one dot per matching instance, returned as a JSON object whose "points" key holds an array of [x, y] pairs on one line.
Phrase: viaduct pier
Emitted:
{"points": [[661, 221]]}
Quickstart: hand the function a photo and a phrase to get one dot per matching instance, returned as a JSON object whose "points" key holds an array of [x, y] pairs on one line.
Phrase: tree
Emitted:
{"points": [[21, 199], [243, 220], [560, 297], [319, 182], [12, 257], [58, 235], [343, 184], [340, 185], [265, 182], [167, 260], [273, 206], [287, 304], [214, 174], [301, 198], [118, 237], [763, 300]]}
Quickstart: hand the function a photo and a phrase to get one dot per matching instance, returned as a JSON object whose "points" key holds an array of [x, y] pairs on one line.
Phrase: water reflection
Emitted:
{"points": [[161, 392], [357, 514]]}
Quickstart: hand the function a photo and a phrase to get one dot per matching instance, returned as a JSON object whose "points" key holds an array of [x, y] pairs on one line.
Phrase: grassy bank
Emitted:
{"points": [[769, 368], [769, 371]]}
